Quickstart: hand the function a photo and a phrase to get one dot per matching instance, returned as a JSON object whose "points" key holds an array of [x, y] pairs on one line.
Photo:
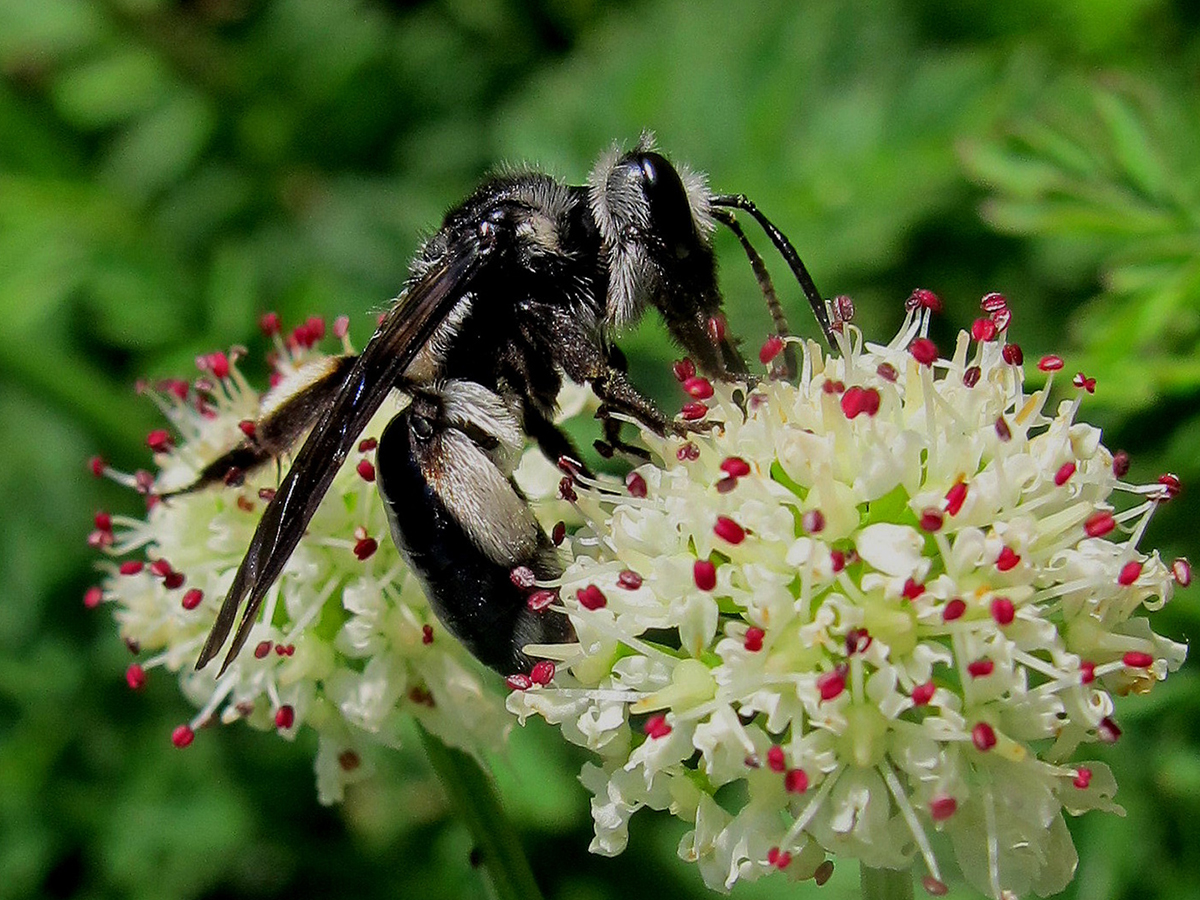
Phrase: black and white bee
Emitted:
{"points": [[526, 281]]}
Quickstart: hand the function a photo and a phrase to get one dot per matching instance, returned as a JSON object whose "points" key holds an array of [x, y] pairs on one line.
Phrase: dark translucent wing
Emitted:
{"points": [[400, 336]]}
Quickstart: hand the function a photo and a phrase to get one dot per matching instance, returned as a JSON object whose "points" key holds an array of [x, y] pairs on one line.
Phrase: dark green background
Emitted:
{"points": [[168, 170]]}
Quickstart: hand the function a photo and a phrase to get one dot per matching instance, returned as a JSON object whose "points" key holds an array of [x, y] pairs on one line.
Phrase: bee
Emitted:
{"points": [[526, 281]]}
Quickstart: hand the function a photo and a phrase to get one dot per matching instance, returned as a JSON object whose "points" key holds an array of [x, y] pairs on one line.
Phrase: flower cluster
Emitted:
{"points": [[346, 643], [875, 614]]}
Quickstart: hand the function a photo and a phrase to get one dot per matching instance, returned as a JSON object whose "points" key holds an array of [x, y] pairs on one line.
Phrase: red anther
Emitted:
{"points": [[98, 539], [1064, 473], [191, 598], [364, 548], [1171, 486], [176, 387], [1003, 611], [924, 299], [780, 859], [931, 519], [971, 376], [566, 489], [348, 760], [518, 682], [635, 484], [366, 445], [912, 589], [656, 727], [135, 677], [182, 736], [831, 684], [427, 634], [934, 887], [858, 400], [693, 410], [365, 469], [1012, 354], [754, 639], [1002, 430], [699, 387], [315, 326], [93, 597], [159, 440], [1082, 381], [285, 717], [218, 364], [341, 327], [726, 484], [174, 580], [1008, 559], [954, 609], [421, 696], [559, 533], [704, 574], [770, 349], [983, 330], [591, 597], [1129, 573], [274, 379], [131, 567], [629, 579], [261, 649], [683, 369], [775, 759], [993, 302], [728, 530], [522, 577], [837, 560], [795, 781], [1099, 524], [924, 351], [542, 672], [233, 477], [1002, 318], [1120, 463], [923, 693], [268, 323], [103, 521], [813, 521], [735, 467], [942, 808], [1136, 659], [830, 386], [248, 427], [1083, 777], [887, 372], [980, 668], [983, 736], [1181, 569], [955, 497], [716, 328], [858, 640], [160, 568], [1050, 363], [97, 465], [1087, 671], [266, 494], [689, 452], [1108, 731], [843, 308]]}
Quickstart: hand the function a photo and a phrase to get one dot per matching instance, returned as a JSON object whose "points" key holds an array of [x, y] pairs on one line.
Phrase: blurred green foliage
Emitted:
{"points": [[168, 170]]}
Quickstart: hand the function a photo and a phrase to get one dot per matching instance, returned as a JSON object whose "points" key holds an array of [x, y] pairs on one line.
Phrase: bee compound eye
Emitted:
{"points": [[670, 211]]}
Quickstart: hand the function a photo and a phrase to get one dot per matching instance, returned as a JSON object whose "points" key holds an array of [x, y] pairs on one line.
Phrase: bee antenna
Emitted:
{"points": [[789, 254], [765, 285]]}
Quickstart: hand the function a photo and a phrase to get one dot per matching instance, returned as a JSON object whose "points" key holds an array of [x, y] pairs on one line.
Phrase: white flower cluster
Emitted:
{"points": [[874, 615], [346, 643]]}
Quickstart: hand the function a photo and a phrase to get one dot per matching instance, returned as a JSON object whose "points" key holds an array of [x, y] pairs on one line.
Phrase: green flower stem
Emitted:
{"points": [[474, 799], [885, 884]]}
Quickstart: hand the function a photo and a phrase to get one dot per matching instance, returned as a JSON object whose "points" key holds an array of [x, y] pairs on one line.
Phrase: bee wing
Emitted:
{"points": [[400, 336]]}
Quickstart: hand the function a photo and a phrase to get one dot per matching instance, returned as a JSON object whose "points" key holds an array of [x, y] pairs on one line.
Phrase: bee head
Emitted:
{"points": [[655, 228]]}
